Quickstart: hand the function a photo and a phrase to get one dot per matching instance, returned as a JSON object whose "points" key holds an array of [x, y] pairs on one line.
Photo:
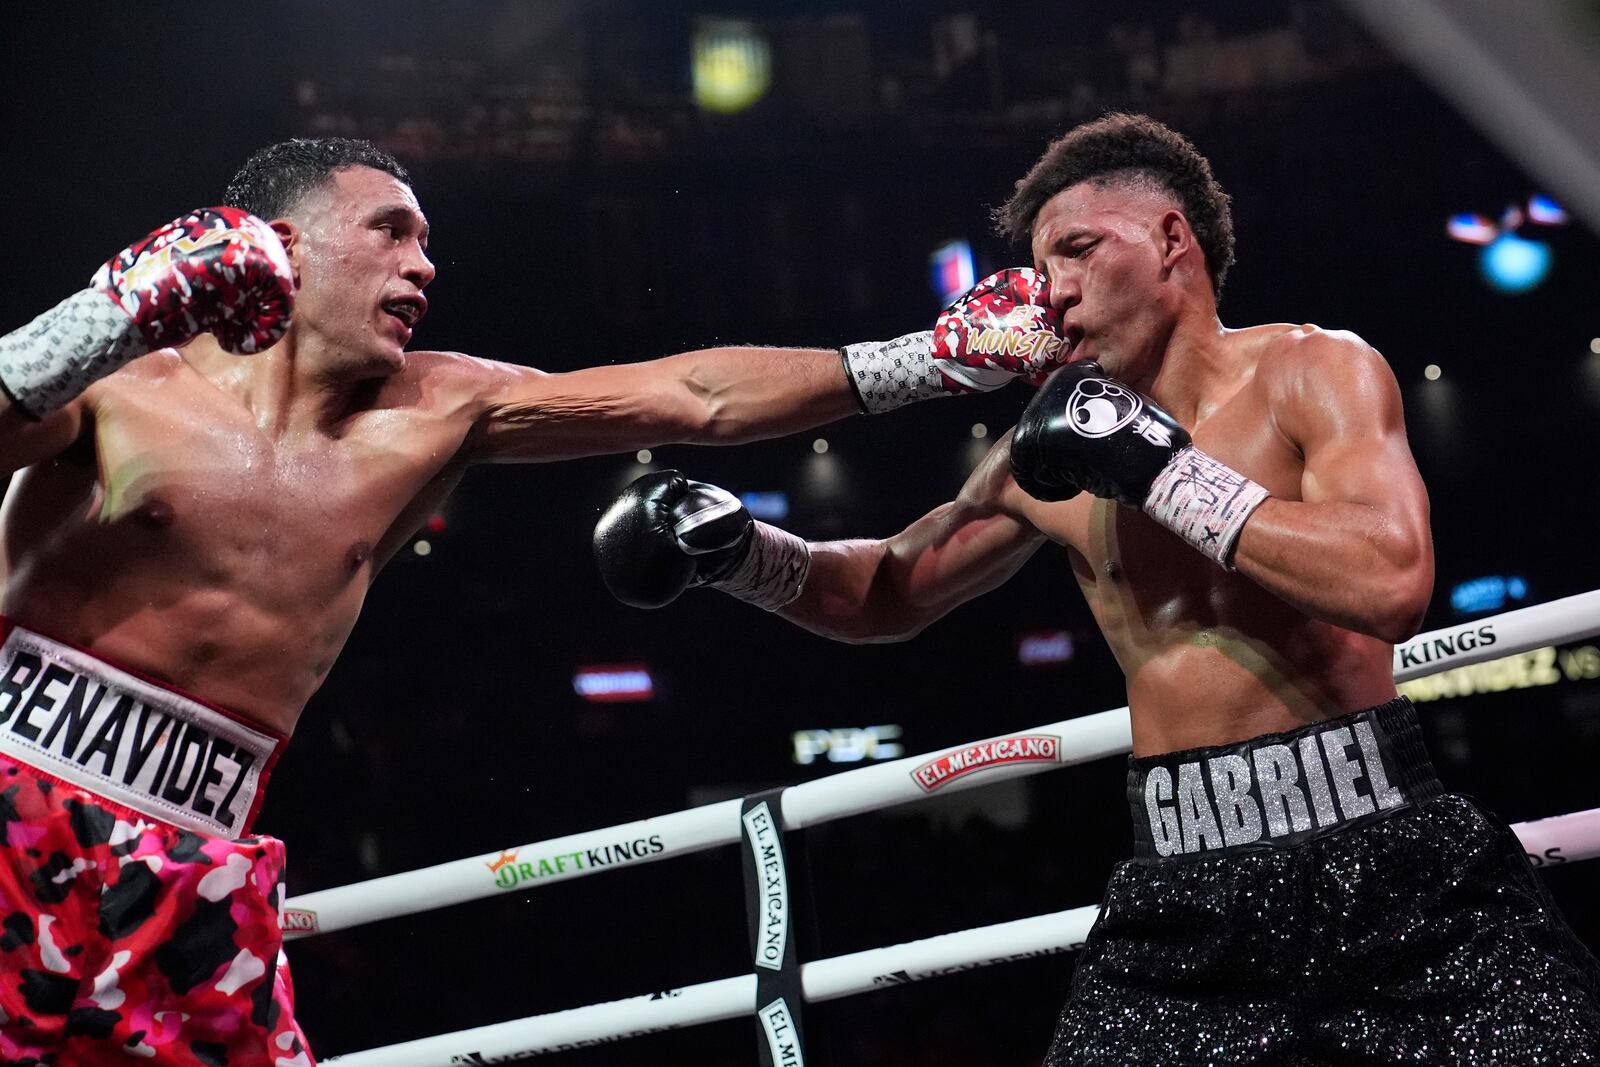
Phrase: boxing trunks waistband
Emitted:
{"points": [[76, 718], [1280, 790]]}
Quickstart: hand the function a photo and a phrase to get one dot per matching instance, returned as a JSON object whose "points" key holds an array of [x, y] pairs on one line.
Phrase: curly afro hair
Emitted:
{"points": [[1121, 148]]}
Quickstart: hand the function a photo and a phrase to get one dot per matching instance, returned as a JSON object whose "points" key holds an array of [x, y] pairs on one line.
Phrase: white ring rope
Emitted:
{"points": [[729, 998], [883, 785], [1562, 838]]}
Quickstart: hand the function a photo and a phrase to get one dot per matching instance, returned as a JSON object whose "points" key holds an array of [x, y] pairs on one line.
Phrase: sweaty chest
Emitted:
{"points": [[1121, 553], [229, 499]]}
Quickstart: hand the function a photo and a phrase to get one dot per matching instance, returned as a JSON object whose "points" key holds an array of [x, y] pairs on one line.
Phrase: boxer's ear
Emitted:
{"points": [[289, 234], [1175, 238]]}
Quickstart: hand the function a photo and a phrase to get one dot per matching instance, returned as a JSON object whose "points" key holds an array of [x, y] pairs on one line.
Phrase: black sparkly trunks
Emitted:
{"points": [[1313, 897]]}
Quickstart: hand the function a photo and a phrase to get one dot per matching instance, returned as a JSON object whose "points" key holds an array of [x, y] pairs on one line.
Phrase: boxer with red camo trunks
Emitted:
{"points": [[211, 525], [139, 915]]}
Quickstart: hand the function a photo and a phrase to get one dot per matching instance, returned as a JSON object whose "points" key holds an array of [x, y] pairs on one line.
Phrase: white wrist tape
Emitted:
{"points": [[1204, 501], [892, 374], [773, 572], [52, 359]]}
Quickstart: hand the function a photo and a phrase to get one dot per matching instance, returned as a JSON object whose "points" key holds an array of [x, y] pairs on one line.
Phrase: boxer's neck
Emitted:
{"points": [[1197, 366], [298, 384]]}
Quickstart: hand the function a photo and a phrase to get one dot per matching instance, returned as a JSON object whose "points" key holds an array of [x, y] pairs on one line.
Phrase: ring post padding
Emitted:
{"points": [[1077, 740], [770, 908]]}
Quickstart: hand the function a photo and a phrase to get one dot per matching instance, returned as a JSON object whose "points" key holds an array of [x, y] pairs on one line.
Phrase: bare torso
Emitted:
{"points": [[1210, 657], [179, 539]]}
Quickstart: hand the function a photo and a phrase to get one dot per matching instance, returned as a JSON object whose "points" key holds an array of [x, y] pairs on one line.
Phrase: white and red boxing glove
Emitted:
{"points": [[218, 270], [1000, 329]]}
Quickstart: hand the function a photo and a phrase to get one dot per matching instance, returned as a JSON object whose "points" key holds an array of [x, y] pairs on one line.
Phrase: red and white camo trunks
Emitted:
{"points": [[139, 920]]}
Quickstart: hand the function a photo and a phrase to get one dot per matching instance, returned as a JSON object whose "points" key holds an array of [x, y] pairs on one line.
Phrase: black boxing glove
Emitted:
{"points": [[665, 533], [1087, 431]]}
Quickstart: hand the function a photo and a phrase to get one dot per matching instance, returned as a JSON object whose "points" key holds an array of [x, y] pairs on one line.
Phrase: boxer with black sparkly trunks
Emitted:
{"points": [[1302, 891], [190, 537]]}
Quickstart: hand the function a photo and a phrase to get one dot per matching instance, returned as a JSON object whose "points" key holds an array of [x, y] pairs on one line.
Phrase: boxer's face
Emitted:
{"points": [[360, 257], [1107, 254]]}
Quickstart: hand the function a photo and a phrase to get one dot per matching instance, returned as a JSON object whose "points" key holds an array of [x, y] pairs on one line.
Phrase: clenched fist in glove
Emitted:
{"points": [[665, 533], [1000, 329], [1084, 430], [218, 270]]}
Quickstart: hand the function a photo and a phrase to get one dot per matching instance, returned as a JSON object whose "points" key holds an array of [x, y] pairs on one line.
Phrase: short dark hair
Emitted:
{"points": [[275, 179], [1121, 148]]}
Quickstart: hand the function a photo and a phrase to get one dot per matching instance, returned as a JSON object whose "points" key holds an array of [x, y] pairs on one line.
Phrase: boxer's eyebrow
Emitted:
{"points": [[1064, 240], [1061, 244], [404, 214]]}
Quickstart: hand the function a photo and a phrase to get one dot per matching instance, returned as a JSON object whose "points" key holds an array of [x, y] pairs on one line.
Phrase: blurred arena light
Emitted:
{"points": [[1491, 593], [822, 475], [1471, 229], [771, 505], [614, 683], [1045, 649], [1545, 211], [953, 272], [1512, 264], [850, 744], [1509, 262], [732, 65]]}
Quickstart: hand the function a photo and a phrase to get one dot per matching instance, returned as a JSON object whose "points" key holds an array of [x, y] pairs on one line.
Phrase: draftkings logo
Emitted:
{"points": [[510, 870], [1443, 647]]}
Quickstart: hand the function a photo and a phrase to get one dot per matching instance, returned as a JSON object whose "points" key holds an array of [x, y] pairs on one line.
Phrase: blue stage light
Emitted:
{"points": [[771, 505], [1512, 264], [1490, 593]]}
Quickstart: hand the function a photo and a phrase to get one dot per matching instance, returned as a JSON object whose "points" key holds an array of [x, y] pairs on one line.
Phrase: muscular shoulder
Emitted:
{"points": [[152, 377], [454, 380], [163, 366], [458, 368], [1312, 375], [1298, 357]]}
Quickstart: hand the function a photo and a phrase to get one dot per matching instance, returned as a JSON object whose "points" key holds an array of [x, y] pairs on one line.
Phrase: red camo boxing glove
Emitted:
{"points": [[1000, 329], [218, 270]]}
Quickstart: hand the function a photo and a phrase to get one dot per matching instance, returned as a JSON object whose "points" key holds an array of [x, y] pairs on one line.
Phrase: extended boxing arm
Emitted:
{"points": [[666, 533], [1355, 550], [714, 396], [1001, 329]]}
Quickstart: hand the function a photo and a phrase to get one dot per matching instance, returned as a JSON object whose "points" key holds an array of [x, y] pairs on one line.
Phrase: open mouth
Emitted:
{"points": [[408, 309]]}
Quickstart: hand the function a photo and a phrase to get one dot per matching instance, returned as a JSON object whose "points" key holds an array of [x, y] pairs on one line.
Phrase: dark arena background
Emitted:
{"points": [[613, 180]]}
